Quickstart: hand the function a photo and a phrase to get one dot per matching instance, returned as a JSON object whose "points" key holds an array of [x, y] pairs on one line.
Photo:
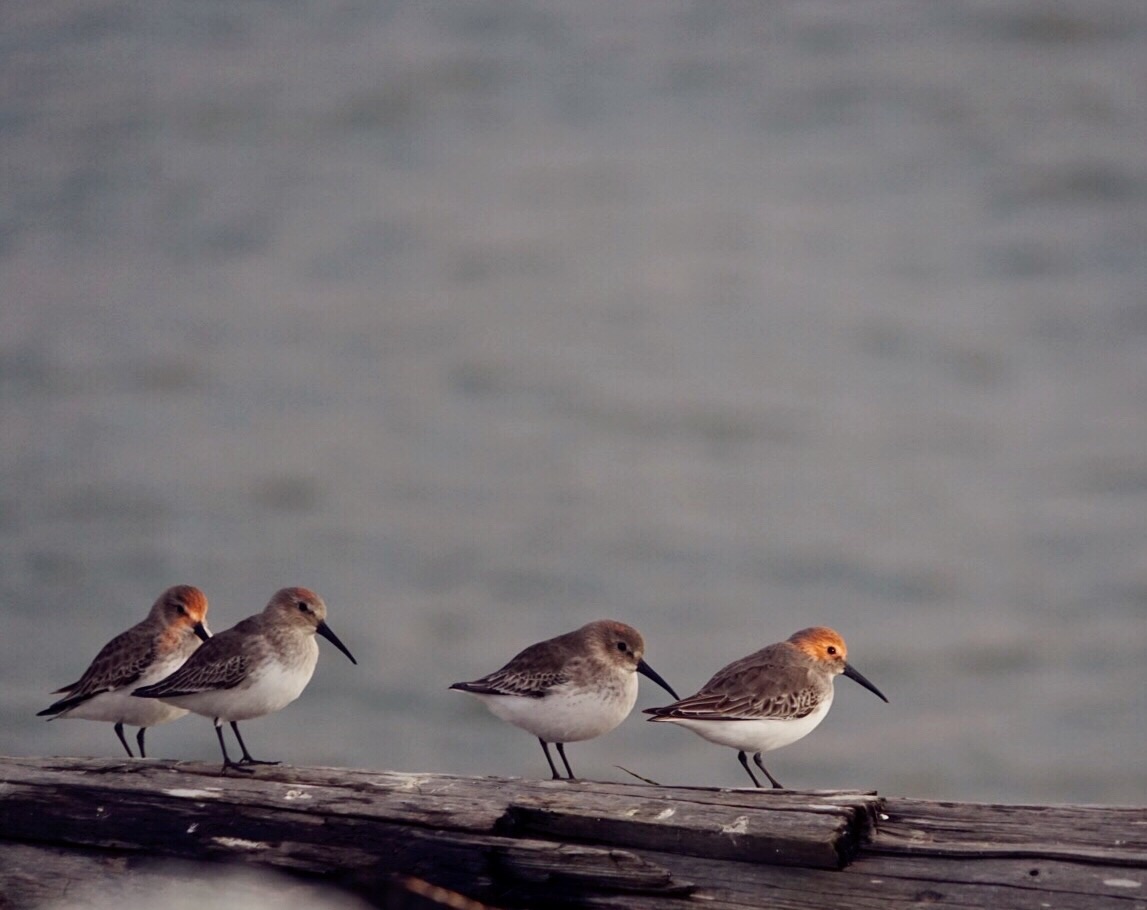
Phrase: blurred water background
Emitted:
{"points": [[485, 319]]}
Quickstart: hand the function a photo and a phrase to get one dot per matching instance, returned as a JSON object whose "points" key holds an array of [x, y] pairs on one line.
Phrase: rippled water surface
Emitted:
{"points": [[485, 320]]}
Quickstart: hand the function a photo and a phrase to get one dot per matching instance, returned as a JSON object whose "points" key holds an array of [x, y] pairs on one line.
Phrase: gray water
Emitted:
{"points": [[487, 319]]}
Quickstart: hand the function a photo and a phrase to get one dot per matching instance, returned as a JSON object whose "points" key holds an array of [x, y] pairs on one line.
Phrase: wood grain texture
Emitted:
{"points": [[525, 843]]}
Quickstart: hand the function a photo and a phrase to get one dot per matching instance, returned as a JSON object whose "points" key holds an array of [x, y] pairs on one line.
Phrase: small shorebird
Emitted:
{"points": [[570, 688], [769, 699], [145, 653], [254, 668]]}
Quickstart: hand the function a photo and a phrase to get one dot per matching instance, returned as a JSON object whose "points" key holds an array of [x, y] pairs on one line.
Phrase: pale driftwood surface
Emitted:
{"points": [[524, 843]]}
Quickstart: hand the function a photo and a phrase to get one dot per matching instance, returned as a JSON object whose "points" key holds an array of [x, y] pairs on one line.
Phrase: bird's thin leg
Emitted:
{"points": [[744, 760], [553, 767], [565, 761], [119, 732], [227, 763], [247, 759], [139, 739], [776, 783]]}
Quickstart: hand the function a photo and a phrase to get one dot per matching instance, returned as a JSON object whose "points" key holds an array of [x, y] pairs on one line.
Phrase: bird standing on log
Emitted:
{"points": [[769, 699], [145, 653], [254, 668], [570, 688]]}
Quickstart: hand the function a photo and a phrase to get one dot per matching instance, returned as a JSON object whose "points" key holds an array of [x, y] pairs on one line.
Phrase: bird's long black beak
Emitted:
{"points": [[645, 670], [852, 673], [201, 630], [325, 631]]}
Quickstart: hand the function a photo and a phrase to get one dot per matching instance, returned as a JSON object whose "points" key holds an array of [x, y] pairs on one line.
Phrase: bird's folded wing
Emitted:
{"points": [[119, 664], [521, 683], [199, 676], [757, 693]]}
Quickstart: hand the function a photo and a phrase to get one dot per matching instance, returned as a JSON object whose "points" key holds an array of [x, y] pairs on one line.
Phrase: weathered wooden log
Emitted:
{"points": [[1111, 836], [514, 843]]}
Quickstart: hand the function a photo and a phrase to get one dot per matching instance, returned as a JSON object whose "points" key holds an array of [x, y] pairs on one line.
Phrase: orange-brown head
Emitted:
{"points": [[827, 648], [183, 607]]}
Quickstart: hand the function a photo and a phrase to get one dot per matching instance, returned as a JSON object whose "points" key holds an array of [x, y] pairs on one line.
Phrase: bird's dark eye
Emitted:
{"points": [[622, 646], [831, 649], [303, 608]]}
